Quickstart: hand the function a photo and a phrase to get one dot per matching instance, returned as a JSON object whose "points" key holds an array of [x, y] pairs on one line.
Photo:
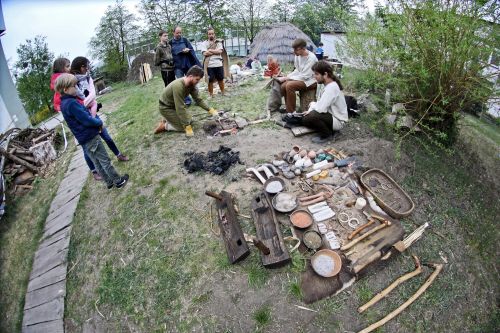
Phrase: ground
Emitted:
{"points": [[145, 259]]}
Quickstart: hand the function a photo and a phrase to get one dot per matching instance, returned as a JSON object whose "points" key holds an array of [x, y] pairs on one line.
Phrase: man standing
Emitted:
{"points": [[172, 103], [302, 78], [184, 55], [213, 63]]}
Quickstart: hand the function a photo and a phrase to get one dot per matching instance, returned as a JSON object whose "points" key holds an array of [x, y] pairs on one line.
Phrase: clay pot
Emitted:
{"points": [[311, 154], [295, 150], [303, 153]]}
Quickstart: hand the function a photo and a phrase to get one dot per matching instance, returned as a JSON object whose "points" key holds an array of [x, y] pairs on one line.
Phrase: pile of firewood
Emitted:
{"points": [[26, 154]]}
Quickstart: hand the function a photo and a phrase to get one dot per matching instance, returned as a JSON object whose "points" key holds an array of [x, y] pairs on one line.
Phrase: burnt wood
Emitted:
{"points": [[268, 232]]}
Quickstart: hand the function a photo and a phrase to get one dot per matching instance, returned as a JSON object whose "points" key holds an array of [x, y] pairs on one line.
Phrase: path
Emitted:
{"points": [[44, 302]]}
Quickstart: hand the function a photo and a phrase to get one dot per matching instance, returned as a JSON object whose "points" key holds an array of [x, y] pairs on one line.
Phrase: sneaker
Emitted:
{"points": [[318, 139], [122, 158], [96, 175], [161, 127], [123, 180]]}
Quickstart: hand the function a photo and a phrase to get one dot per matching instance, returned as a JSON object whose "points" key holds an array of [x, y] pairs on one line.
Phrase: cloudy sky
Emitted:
{"points": [[68, 24]]}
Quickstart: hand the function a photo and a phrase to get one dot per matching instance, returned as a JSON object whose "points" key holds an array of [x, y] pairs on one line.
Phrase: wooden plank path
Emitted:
{"points": [[44, 301]]}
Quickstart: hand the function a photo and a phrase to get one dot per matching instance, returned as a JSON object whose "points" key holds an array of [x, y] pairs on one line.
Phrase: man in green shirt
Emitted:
{"points": [[172, 105]]}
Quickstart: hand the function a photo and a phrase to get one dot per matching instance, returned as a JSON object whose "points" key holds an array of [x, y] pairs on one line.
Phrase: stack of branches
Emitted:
{"points": [[135, 68], [276, 40], [26, 154]]}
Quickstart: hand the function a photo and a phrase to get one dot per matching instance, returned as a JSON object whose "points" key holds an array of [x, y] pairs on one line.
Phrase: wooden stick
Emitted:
{"points": [[359, 229], [393, 285], [16, 159], [437, 269], [368, 233]]}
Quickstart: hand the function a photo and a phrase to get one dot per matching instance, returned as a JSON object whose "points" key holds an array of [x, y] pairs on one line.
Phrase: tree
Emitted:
{"points": [[33, 72], [250, 16], [165, 14], [210, 13], [115, 31], [433, 55], [283, 10]]}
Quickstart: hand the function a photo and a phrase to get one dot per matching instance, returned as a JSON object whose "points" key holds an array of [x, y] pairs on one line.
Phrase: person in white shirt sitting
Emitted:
{"points": [[302, 78], [329, 114]]}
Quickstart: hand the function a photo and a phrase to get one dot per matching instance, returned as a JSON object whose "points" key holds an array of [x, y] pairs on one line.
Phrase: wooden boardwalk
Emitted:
{"points": [[44, 302]]}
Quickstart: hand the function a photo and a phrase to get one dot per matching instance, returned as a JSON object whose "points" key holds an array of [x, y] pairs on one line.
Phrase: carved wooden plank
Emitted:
{"points": [[42, 265], [60, 201], [230, 229], [49, 311], [68, 209], [52, 249], [50, 277], [268, 232], [55, 326], [44, 295], [302, 130], [67, 185]]}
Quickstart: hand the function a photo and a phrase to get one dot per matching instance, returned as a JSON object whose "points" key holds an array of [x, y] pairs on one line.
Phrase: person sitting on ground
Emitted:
{"points": [[256, 66], [164, 58], [86, 130], [212, 49], [273, 68], [235, 71], [80, 68], [172, 106], [302, 78], [320, 52], [329, 114], [248, 64]]}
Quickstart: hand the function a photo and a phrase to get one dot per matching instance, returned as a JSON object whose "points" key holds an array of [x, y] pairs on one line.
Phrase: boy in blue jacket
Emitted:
{"points": [[86, 130]]}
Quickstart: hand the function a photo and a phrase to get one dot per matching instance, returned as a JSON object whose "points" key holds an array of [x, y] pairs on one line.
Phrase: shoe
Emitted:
{"points": [[123, 180], [318, 139], [96, 175], [161, 127], [122, 158], [110, 186], [189, 130]]}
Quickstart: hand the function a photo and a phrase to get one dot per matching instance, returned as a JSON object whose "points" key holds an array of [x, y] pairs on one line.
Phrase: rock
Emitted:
{"points": [[405, 122], [396, 108], [365, 103], [390, 119]]}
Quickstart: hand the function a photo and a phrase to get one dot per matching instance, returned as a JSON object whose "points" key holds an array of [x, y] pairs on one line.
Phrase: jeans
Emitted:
{"points": [[181, 73], [111, 144], [99, 156]]}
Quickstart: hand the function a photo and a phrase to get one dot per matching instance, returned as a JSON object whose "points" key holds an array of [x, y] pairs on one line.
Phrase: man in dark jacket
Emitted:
{"points": [[164, 59], [184, 56], [86, 130]]}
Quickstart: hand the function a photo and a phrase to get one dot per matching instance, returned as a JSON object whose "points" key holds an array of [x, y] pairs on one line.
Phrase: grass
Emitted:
{"points": [[147, 257], [20, 231]]}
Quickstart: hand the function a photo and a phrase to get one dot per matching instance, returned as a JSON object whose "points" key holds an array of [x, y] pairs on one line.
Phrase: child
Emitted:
{"points": [[273, 68], [80, 67], [164, 58], [320, 52], [61, 65], [86, 128]]}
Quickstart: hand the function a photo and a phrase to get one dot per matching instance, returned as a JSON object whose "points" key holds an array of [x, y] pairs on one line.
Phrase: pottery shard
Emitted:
{"points": [[24, 178]]}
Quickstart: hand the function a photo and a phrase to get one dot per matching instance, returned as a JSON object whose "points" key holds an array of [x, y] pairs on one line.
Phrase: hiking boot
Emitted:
{"points": [[122, 181], [97, 176], [319, 139], [122, 158], [161, 127]]}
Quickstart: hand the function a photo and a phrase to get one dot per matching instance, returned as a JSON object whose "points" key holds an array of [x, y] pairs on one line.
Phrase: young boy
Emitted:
{"points": [[86, 130]]}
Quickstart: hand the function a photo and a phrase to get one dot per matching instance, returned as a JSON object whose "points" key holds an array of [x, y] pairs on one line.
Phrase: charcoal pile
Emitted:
{"points": [[216, 162], [26, 154]]}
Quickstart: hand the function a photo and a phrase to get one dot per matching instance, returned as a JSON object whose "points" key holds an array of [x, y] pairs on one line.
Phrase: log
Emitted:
{"points": [[41, 137], [16, 159], [437, 269], [386, 291]]}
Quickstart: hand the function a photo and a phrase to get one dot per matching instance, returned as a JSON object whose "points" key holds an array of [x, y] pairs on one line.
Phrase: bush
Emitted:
{"points": [[431, 54], [41, 115]]}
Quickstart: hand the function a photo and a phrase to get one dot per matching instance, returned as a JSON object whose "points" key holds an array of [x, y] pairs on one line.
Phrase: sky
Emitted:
{"points": [[69, 25]]}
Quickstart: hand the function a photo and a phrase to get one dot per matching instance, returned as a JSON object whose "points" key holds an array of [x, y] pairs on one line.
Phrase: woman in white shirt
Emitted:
{"points": [[329, 113]]}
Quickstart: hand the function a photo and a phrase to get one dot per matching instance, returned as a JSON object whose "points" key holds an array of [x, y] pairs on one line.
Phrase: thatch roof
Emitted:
{"points": [[276, 40]]}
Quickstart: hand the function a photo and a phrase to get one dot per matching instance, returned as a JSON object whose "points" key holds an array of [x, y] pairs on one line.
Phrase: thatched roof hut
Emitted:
{"points": [[276, 40]]}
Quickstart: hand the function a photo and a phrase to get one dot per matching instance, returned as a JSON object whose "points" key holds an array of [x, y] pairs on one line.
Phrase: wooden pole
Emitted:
{"points": [[393, 285], [365, 235], [437, 269]]}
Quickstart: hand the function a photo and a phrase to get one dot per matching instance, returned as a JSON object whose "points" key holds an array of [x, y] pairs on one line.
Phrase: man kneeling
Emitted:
{"points": [[329, 114], [172, 106]]}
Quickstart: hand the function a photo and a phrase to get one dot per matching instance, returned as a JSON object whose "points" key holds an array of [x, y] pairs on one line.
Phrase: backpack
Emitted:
{"points": [[352, 106]]}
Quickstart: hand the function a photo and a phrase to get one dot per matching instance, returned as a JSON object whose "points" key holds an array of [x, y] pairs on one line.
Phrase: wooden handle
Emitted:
{"points": [[372, 231], [214, 195], [359, 229]]}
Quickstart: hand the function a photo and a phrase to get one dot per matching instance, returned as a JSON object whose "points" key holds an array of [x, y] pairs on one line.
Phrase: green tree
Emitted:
{"points": [[249, 15], [166, 14], [211, 13], [32, 72], [283, 10], [432, 54], [116, 30]]}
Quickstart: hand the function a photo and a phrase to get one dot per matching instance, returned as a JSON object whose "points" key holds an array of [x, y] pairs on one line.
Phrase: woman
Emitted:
{"points": [[80, 69]]}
